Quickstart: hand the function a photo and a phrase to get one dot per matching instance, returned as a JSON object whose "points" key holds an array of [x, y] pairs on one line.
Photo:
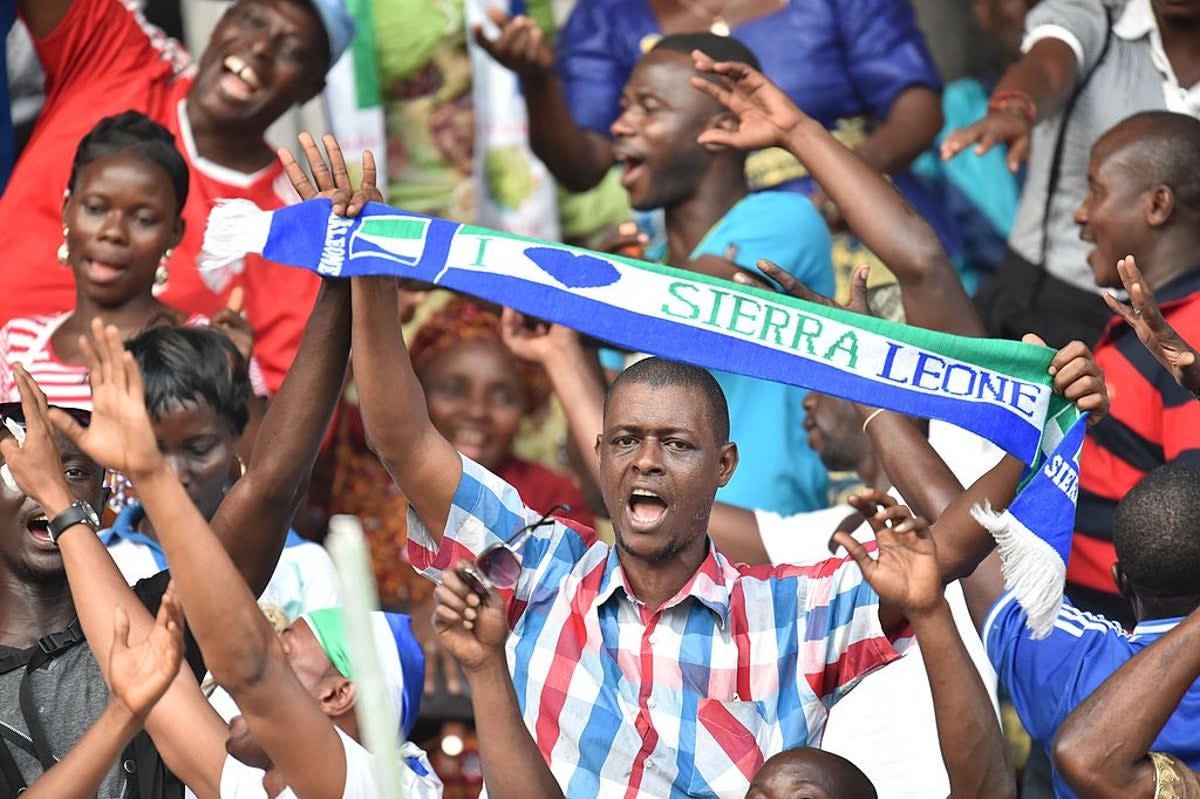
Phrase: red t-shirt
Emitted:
{"points": [[102, 59]]}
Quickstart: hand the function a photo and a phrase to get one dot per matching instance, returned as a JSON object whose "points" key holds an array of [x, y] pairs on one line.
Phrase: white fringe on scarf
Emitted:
{"points": [[235, 228], [1033, 570]]}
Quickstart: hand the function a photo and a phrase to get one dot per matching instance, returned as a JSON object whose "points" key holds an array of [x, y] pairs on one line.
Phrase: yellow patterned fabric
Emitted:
{"points": [[1173, 779]]}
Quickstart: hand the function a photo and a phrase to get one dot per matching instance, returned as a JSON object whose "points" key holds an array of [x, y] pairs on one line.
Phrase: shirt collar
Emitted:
{"points": [[1157, 627], [1136, 21], [707, 585], [125, 528]]}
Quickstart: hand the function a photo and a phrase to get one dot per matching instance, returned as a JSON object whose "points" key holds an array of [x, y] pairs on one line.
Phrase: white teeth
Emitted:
{"points": [[243, 70], [248, 74], [641, 492]]}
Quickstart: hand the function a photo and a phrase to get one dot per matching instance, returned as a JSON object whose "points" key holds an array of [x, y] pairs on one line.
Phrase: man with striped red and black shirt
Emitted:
{"points": [[1143, 200]]}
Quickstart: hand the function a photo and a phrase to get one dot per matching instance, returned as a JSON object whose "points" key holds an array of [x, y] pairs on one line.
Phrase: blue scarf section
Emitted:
{"points": [[999, 390]]}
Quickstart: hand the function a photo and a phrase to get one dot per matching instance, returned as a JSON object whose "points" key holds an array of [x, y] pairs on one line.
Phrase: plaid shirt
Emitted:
{"points": [[686, 700]]}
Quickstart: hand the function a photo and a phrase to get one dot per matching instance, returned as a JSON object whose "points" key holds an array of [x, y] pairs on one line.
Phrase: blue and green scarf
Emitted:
{"points": [[997, 389]]}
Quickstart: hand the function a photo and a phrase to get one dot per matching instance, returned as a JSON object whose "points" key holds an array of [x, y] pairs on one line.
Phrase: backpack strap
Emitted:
{"points": [[1061, 138]]}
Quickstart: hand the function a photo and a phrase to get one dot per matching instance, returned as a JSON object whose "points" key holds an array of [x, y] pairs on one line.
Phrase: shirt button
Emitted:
{"points": [[129, 766], [650, 702]]}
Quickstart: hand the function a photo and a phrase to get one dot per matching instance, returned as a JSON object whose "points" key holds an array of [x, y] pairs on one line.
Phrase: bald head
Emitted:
{"points": [[810, 774], [1157, 148]]}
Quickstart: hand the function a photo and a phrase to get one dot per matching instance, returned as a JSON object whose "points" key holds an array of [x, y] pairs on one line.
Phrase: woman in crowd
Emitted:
{"points": [[198, 395], [121, 218]]}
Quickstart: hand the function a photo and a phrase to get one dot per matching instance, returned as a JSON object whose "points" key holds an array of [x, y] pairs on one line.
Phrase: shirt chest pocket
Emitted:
{"points": [[728, 748]]}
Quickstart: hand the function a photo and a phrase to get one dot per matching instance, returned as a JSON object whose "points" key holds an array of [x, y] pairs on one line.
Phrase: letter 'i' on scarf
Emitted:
{"points": [[997, 389]]}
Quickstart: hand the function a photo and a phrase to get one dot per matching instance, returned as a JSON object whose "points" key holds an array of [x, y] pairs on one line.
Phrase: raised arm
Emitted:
{"points": [[240, 648], [1103, 748], [187, 732], [906, 575], [396, 422], [932, 293], [474, 630], [578, 158], [254, 517], [1032, 89]]}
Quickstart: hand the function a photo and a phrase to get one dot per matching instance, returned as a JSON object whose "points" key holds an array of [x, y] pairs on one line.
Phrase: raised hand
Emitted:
{"points": [[36, 465], [471, 628], [140, 674], [119, 435], [1077, 377], [540, 343], [520, 45], [998, 127], [1143, 315], [792, 286], [766, 116], [332, 178], [905, 572]]}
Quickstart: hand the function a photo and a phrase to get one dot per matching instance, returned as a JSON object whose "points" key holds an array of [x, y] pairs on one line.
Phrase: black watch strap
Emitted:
{"points": [[79, 512]]}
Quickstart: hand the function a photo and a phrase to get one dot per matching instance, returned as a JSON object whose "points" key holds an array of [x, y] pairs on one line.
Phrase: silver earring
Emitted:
{"points": [[64, 252]]}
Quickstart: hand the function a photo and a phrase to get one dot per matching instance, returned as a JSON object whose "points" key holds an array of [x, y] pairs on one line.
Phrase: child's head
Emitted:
{"points": [[810, 773], [1156, 534], [198, 393], [123, 207], [662, 116]]}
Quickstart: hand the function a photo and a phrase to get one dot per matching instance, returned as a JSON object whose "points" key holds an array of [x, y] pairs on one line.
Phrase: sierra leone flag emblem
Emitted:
{"points": [[398, 238]]}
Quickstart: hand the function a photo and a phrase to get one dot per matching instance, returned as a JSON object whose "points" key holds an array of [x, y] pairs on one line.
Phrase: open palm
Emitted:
{"points": [[765, 114], [140, 674], [1159, 337], [119, 435], [905, 571]]}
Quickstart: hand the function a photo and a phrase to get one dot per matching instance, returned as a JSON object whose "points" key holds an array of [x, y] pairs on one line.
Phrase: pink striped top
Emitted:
{"points": [[26, 340]]}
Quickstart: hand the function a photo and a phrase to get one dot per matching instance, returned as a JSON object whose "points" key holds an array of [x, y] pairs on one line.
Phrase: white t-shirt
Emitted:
{"points": [[885, 725], [239, 781]]}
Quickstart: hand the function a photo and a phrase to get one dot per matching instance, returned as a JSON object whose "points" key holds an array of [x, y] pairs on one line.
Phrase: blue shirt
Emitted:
{"points": [[777, 472], [1047, 679]]}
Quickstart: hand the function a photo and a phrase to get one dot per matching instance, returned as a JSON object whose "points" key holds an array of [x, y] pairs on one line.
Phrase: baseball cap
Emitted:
{"points": [[339, 26]]}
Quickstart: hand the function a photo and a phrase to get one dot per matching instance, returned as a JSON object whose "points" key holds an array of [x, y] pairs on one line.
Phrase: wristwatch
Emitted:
{"points": [[78, 512]]}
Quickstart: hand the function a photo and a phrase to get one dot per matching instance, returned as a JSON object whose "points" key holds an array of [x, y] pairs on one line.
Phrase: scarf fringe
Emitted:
{"points": [[1033, 571], [235, 229]]}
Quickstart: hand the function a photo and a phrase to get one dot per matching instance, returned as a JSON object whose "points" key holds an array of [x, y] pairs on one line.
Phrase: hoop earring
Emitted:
{"points": [[64, 252]]}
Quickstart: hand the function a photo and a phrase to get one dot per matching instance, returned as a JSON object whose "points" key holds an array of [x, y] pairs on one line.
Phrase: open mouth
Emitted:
{"points": [[102, 271], [646, 508], [39, 527], [238, 79], [470, 442], [631, 170]]}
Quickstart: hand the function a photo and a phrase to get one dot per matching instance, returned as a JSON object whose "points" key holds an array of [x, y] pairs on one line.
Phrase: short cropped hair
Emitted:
{"points": [[137, 134], [660, 373], [1156, 532], [1166, 147], [182, 365], [718, 48]]}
